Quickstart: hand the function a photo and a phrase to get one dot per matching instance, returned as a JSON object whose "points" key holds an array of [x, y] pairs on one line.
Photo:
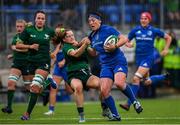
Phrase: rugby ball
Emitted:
{"points": [[112, 39]]}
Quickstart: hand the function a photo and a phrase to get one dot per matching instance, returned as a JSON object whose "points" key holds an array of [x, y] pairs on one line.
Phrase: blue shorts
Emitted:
{"points": [[110, 71], [145, 61], [61, 72]]}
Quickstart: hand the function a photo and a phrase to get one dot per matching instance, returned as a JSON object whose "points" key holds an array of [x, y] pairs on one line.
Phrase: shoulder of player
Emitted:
{"points": [[67, 48], [154, 28], [137, 27], [29, 27]]}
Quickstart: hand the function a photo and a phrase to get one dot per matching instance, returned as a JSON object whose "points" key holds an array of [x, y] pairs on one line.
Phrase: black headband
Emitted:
{"points": [[95, 16]]}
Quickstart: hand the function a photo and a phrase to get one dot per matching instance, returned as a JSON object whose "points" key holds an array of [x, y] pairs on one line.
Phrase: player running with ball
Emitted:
{"points": [[113, 63]]}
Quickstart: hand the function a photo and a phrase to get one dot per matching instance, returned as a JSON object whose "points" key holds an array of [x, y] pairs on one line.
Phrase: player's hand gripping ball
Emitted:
{"points": [[110, 42]]}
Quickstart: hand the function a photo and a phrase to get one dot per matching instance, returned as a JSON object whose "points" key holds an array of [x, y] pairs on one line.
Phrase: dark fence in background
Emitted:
{"points": [[123, 14]]}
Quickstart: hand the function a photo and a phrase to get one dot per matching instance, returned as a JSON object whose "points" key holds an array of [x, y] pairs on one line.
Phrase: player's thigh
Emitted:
{"points": [[140, 74], [143, 71], [58, 79], [42, 72], [27, 81], [68, 88], [27, 77], [120, 79], [93, 82], [76, 85], [15, 71]]}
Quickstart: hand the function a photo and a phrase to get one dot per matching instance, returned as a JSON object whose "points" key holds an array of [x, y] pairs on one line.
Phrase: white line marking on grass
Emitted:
{"points": [[129, 118]]}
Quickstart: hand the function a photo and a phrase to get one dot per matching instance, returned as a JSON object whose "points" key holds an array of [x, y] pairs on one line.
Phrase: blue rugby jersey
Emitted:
{"points": [[98, 38], [145, 39], [59, 57]]}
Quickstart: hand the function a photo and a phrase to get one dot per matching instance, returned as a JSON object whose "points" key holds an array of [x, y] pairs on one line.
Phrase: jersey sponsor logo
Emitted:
{"points": [[145, 64], [144, 38], [31, 35], [149, 33], [46, 36], [143, 35]]}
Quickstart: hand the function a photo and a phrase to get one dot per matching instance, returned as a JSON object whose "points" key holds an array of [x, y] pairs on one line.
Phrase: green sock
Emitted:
{"points": [[10, 98], [46, 83], [32, 102]]}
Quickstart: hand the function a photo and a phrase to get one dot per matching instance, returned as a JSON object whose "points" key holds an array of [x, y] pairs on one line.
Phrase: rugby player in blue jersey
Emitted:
{"points": [[144, 35], [113, 63]]}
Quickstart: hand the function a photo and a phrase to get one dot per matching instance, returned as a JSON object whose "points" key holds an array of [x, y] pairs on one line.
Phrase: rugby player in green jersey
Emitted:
{"points": [[79, 75], [19, 67], [39, 56], [58, 72]]}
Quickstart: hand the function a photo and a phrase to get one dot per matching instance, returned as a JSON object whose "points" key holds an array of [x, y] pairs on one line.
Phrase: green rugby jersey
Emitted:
{"points": [[20, 56], [74, 63], [32, 35]]}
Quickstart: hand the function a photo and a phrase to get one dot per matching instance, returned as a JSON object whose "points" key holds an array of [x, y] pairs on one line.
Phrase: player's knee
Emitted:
{"points": [[104, 93], [120, 85], [147, 82], [68, 89], [27, 84], [137, 77], [12, 80], [37, 84], [79, 89], [35, 88]]}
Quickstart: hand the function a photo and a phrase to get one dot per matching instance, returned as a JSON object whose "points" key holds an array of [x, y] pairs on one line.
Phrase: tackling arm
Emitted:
{"points": [[78, 52]]}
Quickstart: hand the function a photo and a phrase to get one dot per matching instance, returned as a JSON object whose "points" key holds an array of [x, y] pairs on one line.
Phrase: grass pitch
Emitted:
{"points": [[156, 111]]}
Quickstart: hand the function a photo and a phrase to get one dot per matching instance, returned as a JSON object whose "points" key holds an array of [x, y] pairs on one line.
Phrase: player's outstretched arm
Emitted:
{"points": [[168, 42], [121, 41], [129, 44]]}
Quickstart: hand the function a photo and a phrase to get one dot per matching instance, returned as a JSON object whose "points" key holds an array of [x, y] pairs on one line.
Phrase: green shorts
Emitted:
{"points": [[39, 65], [82, 75], [23, 66]]}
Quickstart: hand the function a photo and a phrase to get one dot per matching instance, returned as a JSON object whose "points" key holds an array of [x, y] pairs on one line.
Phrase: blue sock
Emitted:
{"points": [[111, 104], [157, 78], [129, 93], [51, 108], [134, 89]]}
